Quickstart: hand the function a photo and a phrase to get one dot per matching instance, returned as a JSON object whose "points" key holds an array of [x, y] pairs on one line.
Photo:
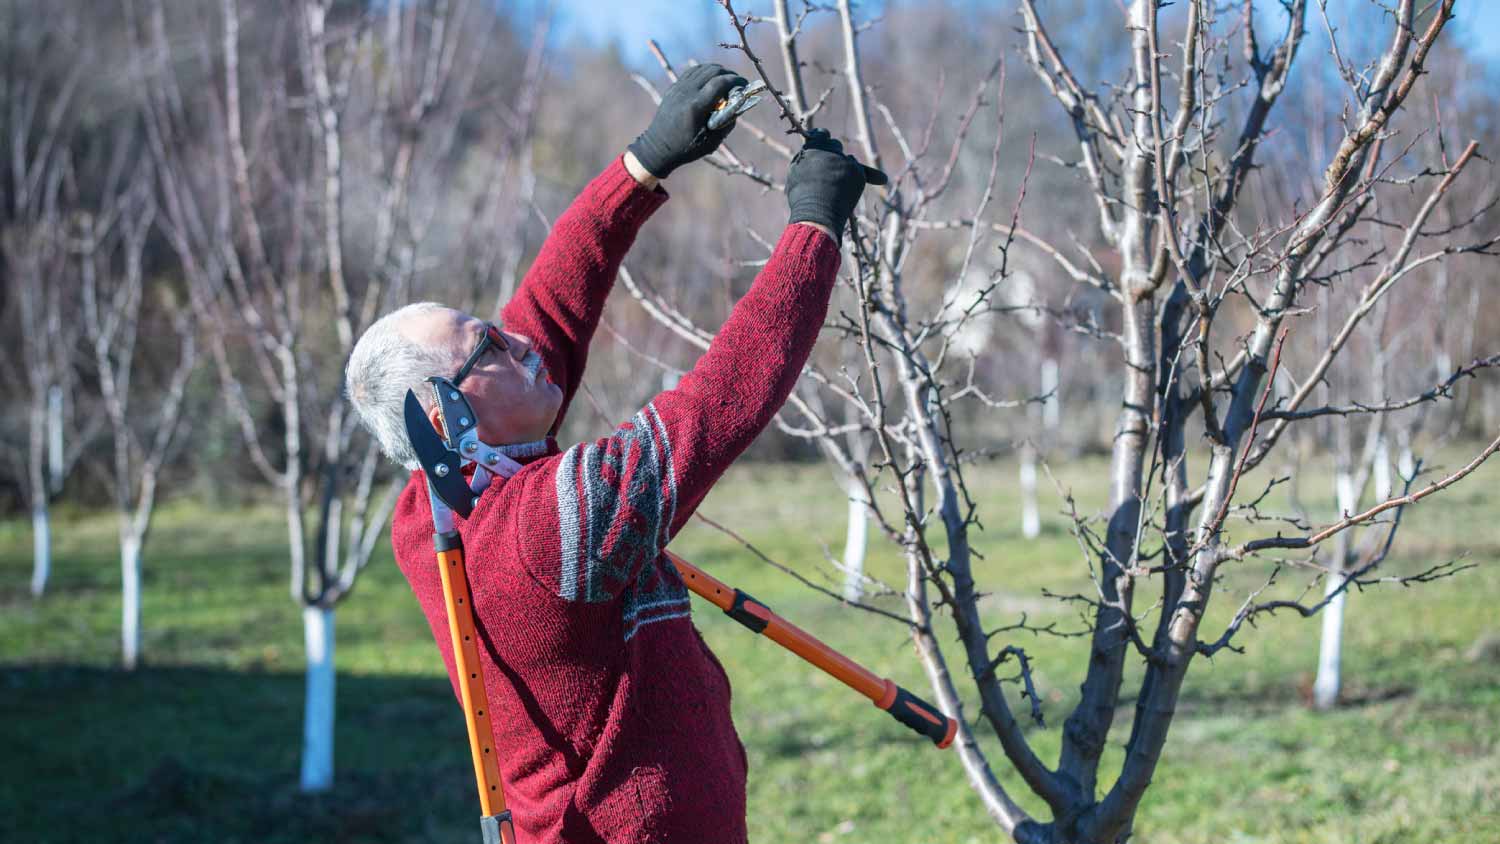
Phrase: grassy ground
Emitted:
{"points": [[202, 743]]}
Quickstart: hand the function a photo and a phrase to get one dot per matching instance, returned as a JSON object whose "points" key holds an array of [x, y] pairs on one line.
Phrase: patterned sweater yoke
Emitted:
{"points": [[611, 715]]}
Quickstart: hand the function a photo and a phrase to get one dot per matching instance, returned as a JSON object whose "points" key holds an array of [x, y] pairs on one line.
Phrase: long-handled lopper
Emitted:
{"points": [[449, 492], [443, 460]]}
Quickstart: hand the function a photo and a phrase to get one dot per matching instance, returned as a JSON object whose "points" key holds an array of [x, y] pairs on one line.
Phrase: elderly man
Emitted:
{"points": [[611, 716]]}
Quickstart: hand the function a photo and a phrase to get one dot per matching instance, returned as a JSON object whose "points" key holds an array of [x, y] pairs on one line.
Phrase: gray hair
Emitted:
{"points": [[384, 365]]}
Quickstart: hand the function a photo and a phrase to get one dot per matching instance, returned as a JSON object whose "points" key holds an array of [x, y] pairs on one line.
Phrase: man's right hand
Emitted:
{"points": [[824, 184]]}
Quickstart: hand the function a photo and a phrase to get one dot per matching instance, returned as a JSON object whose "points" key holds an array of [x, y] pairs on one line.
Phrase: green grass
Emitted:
{"points": [[202, 743]]}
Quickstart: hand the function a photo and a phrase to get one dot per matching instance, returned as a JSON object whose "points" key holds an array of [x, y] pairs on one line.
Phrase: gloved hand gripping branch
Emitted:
{"points": [[679, 132], [824, 184]]}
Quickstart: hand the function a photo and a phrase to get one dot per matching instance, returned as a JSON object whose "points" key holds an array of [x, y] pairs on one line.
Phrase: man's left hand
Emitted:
{"points": [[679, 132]]}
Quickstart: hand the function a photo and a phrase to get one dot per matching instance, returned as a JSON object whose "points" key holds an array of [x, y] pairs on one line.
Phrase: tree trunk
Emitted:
{"points": [[1052, 404], [36, 477], [54, 439], [317, 715], [41, 548], [1031, 517], [1087, 727], [1382, 468], [130, 601], [1331, 646], [1406, 463], [855, 539]]}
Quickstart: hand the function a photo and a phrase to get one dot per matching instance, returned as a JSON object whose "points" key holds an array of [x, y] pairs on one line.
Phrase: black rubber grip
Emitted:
{"points": [[740, 611], [446, 541], [922, 717]]}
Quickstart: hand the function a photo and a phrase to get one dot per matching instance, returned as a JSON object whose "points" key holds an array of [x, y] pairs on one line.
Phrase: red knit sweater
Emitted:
{"points": [[611, 714]]}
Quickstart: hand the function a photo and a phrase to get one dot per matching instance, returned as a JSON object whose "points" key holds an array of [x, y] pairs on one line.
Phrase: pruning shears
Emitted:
{"points": [[735, 103]]}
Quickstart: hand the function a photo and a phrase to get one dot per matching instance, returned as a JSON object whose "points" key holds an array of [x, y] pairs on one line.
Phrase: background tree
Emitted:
{"points": [[109, 247], [39, 84]]}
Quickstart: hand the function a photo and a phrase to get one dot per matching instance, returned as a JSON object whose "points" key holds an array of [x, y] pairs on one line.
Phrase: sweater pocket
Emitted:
{"points": [[629, 810], [652, 799]]}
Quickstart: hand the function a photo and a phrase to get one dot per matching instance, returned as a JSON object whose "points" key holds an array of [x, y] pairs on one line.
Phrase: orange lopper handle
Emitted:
{"points": [[904, 706], [495, 821]]}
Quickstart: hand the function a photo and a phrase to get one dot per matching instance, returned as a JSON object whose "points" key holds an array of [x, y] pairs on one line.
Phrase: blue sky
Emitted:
{"points": [[627, 24], [681, 24]]}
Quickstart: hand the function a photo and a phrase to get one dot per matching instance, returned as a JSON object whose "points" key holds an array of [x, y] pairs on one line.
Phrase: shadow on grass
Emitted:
{"points": [[195, 754], [172, 755]]}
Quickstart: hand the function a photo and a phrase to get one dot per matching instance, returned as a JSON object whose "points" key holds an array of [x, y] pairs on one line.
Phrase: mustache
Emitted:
{"points": [[531, 364]]}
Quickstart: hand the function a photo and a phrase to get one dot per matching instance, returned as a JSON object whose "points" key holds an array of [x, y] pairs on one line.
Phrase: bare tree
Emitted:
{"points": [[109, 246], [1365, 396], [33, 254], [1195, 296], [39, 96]]}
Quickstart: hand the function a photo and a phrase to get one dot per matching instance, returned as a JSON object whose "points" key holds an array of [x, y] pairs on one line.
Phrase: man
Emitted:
{"points": [[611, 715]]}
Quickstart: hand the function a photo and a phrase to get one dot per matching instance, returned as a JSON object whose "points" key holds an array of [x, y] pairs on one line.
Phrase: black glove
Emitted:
{"points": [[823, 184], [679, 132]]}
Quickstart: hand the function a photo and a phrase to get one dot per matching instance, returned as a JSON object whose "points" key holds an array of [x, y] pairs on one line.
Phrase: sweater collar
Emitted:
{"points": [[528, 452]]}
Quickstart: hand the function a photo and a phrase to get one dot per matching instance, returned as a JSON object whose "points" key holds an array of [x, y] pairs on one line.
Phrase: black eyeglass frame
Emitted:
{"points": [[491, 336]]}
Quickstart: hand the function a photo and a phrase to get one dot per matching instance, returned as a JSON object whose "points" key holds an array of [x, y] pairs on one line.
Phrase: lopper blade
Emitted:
{"points": [[440, 464]]}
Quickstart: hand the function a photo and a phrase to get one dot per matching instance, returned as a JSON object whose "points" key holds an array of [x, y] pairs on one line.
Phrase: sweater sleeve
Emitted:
{"points": [[608, 507], [562, 296]]}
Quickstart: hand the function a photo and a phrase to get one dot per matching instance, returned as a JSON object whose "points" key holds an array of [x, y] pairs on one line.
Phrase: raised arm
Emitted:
{"points": [[560, 301], [619, 499], [562, 296]]}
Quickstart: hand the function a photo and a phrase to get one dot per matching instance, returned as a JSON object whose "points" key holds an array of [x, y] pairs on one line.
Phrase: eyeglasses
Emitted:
{"points": [[491, 336]]}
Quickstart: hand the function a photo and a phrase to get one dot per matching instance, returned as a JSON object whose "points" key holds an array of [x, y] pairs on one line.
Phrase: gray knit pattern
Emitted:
{"points": [[616, 499]]}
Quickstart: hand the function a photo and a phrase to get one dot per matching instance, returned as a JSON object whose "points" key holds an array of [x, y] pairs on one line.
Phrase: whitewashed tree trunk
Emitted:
{"points": [[1406, 463], [1031, 517], [1331, 647], [41, 549], [317, 715], [1382, 469], [1052, 405], [855, 538], [36, 477], [130, 603], [55, 468]]}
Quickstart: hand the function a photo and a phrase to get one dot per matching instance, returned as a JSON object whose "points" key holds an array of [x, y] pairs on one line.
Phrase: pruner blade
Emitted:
{"points": [[738, 101]]}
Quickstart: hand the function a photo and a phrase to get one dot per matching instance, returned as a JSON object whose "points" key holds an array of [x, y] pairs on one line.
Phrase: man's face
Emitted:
{"points": [[513, 397]]}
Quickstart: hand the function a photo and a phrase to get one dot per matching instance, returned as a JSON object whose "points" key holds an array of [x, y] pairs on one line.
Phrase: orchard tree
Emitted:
{"points": [[108, 245], [39, 92]]}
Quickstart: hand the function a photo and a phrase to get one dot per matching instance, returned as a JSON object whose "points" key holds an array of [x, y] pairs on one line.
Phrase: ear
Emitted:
{"points": [[436, 417]]}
